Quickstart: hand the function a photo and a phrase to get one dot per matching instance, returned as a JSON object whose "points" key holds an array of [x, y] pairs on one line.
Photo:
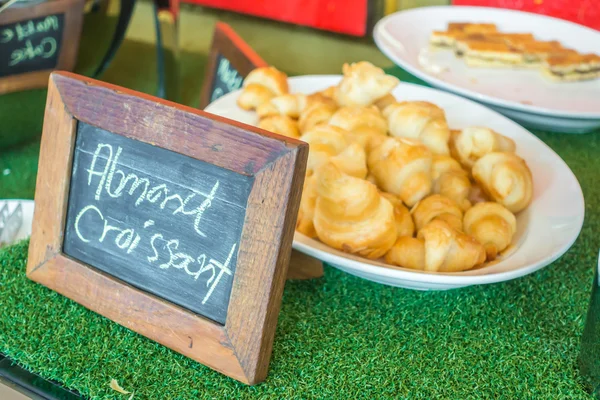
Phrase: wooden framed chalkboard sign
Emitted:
{"points": [[170, 221], [230, 60], [36, 40]]}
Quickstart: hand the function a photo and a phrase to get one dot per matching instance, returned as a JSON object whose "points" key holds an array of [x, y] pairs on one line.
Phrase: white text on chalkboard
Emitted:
{"points": [[106, 177], [30, 48]]}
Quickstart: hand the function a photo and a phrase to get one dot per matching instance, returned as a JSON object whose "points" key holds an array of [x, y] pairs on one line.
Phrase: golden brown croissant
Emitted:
{"points": [[352, 161], [450, 180], [472, 143], [419, 120], [281, 125], [287, 104], [505, 178], [402, 167], [253, 96], [436, 207], [385, 101], [362, 84], [260, 85], [404, 221], [351, 215], [362, 123], [306, 211], [438, 248], [329, 92], [316, 113], [270, 77], [492, 225], [324, 142]]}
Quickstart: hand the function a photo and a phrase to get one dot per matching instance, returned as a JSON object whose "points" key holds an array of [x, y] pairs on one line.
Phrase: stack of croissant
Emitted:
{"points": [[391, 179]]}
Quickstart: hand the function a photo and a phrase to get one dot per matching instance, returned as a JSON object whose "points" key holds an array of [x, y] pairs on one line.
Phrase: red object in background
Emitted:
{"points": [[342, 16], [584, 12]]}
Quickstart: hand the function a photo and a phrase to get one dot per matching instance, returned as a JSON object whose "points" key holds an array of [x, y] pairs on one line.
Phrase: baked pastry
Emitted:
{"points": [[505, 178], [472, 143], [253, 96], [436, 207], [445, 39], [535, 52], [492, 54], [329, 92], [325, 141], [404, 221], [510, 38], [451, 181], [437, 248], [419, 120], [286, 104], [569, 67], [270, 77], [362, 84], [260, 85], [316, 113], [461, 44], [360, 123], [402, 167], [352, 161], [351, 215], [492, 225], [306, 211], [281, 125], [471, 27], [385, 101]]}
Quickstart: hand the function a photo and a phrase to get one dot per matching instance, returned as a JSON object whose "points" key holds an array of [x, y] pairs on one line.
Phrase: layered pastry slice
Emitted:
{"points": [[492, 54], [461, 43], [468, 27], [534, 52], [444, 39], [570, 67]]}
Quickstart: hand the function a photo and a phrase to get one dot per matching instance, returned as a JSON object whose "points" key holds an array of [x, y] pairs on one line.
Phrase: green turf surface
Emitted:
{"points": [[337, 337]]}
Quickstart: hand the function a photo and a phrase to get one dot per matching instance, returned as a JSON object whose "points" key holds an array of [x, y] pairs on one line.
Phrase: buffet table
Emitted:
{"points": [[338, 336]]}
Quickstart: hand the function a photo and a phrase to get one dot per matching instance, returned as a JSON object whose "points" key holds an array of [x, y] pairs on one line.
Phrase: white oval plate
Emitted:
{"points": [[524, 95], [547, 228]]}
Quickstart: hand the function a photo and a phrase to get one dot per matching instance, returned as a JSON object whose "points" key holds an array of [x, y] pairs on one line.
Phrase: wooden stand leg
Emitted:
{"points": [[304, 267]]}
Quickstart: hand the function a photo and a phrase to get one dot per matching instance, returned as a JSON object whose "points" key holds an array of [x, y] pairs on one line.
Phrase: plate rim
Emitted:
{"points": [[491, 100], [446, 279]]}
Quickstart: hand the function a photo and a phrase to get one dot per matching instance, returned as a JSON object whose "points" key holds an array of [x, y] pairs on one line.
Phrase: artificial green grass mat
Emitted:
{"points": [[339, 336]]}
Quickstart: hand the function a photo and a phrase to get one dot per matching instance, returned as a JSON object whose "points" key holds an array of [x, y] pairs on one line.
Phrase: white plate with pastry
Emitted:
{"points": [[408, 150], [537, 70]]}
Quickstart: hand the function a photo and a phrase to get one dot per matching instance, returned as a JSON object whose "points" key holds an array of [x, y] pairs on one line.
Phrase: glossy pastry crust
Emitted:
{"points": [[351, 215]]}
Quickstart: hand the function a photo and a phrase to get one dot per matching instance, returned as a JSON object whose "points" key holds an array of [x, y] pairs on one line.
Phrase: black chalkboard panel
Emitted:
{"points": [[30, 45], [226, 79], [158, 220]]}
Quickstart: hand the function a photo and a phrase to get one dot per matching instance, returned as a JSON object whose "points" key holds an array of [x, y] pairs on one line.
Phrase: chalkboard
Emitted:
{"points": [[31, 45], [161, 221], [230, 60], [225, 80]]}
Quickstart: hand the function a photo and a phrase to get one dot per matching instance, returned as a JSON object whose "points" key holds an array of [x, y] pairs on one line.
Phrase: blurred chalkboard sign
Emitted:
{"points": [[37, 39], [175, 223], [230, 61], [172, 234], [33, 45]]}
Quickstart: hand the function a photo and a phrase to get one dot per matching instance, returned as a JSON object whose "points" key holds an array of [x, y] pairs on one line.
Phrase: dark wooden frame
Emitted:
{"points": [[242, 347], [73, 11], [231, 46]]}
